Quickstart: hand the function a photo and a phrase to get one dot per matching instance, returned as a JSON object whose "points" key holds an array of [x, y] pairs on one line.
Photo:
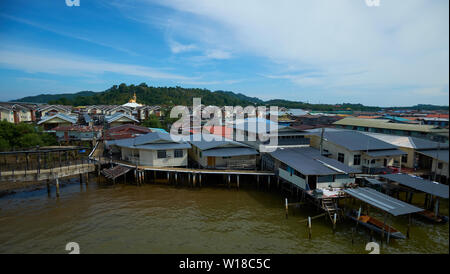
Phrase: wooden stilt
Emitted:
{"points": [[57, 187], [194, 179], [48, 188], [334, 222], [309, 228], [237, 181], [268, 182], [229, 181], [409, 226], [176, 178], [287, 207], [200, 180]]}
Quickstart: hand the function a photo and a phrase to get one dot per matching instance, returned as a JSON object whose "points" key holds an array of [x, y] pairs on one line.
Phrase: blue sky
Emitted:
{"points": [[321, 51]]}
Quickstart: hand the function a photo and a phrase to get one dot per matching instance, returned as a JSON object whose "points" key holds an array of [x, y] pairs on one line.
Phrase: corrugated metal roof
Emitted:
{"points": [[116, 116], [229, 152], [152, 140], [382, 201], [387, 152], [206, 141], [380, 123], [406, 141], [374, 181], [308, 161], [354, 140], [65, 117], [420, 184], [441, 155]]}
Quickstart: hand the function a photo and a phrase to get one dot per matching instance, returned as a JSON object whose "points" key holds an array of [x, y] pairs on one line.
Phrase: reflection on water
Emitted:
{"points": [[167, 219]]}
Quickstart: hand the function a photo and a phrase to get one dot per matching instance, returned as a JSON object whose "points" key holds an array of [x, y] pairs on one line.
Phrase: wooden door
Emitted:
{"points": [[211, 161]]}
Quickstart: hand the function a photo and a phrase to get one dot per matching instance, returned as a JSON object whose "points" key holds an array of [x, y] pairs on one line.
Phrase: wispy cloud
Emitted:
{"points": [[34, 61], [66, 34]]}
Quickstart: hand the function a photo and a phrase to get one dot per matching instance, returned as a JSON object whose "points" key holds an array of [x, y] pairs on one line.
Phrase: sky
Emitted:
{"points": [[321, 51]]}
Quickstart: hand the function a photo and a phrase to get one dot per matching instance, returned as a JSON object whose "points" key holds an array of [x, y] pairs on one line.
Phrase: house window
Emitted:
{"points": [[357, 160], [178, 153], [161, 154], [341, 157], [440, 165], [404, 158]]}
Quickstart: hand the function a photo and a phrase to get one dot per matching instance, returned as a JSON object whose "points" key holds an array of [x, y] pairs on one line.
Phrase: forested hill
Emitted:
{"points": [[183, 96]]}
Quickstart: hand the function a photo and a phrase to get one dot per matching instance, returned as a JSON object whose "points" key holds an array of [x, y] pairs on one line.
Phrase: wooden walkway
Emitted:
{"points": [[196, 170]]}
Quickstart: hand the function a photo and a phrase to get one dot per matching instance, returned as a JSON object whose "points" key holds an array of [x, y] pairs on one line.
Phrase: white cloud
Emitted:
{"points": [[34, 61], [176, 47], [217, 54], [400, 43]]}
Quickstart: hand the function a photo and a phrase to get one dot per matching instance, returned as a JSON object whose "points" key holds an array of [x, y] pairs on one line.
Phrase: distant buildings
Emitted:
{"points": [[17, 113], [50, 122]]}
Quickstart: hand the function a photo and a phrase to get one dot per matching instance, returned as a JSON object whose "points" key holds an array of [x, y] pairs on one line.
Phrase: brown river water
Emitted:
{"points": [[168, 219]]}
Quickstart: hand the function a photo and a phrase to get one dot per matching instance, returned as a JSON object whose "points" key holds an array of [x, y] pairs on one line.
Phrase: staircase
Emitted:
{"points": [[330, 207]]}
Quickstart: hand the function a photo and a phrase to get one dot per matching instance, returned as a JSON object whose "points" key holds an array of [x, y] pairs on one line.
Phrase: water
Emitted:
{"points": [[168, 219]]}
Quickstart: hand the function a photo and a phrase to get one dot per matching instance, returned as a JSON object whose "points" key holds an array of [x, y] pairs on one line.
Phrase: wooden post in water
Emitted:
{"points": [[81, 178], [409, 226], [176, 178], [382, 231], [200, 180], [389, 233], [257, 181], [48, 187], [194, 179], [268, 182], [57, 187], [353, 235], [359, 215], [287, 207], [278, 182], [237, 181], [309, 228], [229, 181], [334, 222]]}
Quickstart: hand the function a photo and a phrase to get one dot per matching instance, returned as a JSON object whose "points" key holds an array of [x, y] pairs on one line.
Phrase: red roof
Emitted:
{"points": [[437, 116], [220, 130], [125, 131]]}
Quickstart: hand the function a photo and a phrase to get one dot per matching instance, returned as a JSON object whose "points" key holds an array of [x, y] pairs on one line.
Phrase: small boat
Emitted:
{"points": [[431, 217], [376, 225]]}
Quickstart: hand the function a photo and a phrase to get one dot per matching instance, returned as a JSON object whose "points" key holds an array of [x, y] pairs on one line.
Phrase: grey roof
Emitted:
{"points": [[420, 184], [354, 140], [152, 141], [118, 115], [441, 155], [382, 201], [229, 152], [374, 181], [87, 118], [208, 141], [386, 152], [65, 117], [308, 161]]}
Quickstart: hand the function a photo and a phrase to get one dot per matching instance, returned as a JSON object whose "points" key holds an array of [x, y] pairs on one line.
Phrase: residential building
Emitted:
{"points": [[388, 127], [356, 149], [213, 151], [78, 133], [308, 170], [120, 118], [155, 149], [50, 122]]}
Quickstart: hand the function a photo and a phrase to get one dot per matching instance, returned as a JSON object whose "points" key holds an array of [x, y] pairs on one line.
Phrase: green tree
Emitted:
{"points": [[152, 121]]}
